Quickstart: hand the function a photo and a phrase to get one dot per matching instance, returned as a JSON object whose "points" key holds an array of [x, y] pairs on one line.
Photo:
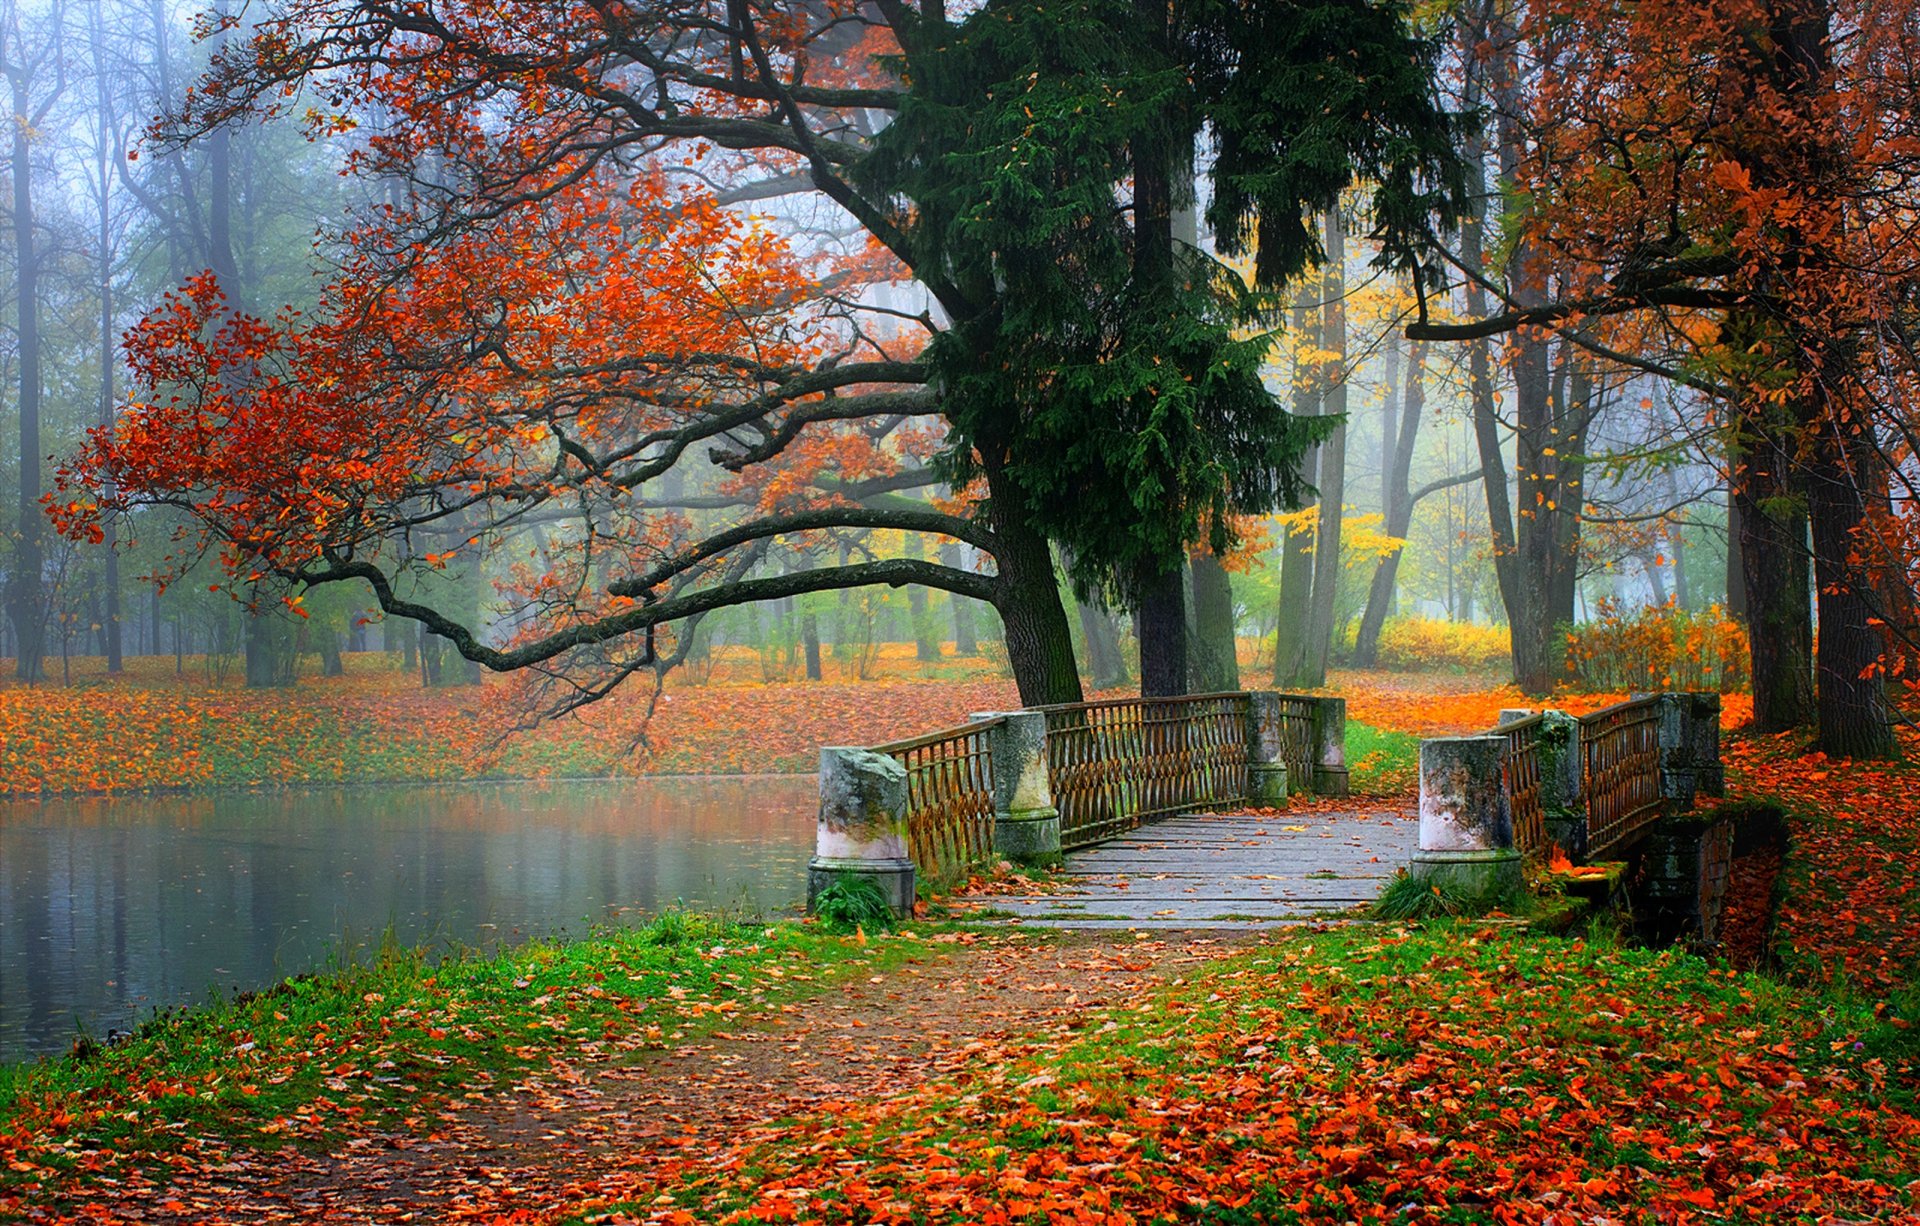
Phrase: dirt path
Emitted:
{"points": [[588, 1133]]}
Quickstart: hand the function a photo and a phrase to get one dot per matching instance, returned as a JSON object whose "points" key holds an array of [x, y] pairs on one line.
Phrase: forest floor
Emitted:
{"points": [[154, 727]]}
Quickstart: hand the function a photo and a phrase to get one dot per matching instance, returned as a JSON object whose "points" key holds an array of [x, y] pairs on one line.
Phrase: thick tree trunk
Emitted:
{"points": [[1162, 618], [1213, 657], [1027, 596], [1851, 690], [1773, 559], [966, 640], [1399, 509], [810, 637]]}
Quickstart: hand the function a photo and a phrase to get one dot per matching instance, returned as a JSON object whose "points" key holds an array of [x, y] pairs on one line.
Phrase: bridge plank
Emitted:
{"points": [[1231, 870]]}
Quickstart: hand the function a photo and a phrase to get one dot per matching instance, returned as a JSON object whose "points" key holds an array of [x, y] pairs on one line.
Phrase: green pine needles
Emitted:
{"points": [[1105, 375]]}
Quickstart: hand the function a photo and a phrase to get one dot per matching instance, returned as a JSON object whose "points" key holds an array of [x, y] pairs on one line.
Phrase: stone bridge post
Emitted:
{"points": [[1266, 750], [1466, 820], [1026, 825], [1330, 747], [863, 825], [1563, 802]]}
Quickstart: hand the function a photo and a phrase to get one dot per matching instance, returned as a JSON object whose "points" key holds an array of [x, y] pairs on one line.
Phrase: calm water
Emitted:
{"points": [[112, 907]]}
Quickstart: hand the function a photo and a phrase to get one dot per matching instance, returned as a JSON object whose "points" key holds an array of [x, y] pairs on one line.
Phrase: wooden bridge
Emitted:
{"points": [[1173, 812]]}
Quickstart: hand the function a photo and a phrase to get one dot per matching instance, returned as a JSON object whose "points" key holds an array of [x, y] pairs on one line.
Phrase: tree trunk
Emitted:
{"points": [[1162, 619], [966, 641], [1399, 510], [1215, 657], [1027, 596], [25, 596], [1105, 662], [1333, 455], [1851, 691], [1773, 560], [1296, 556], [810, 636]]}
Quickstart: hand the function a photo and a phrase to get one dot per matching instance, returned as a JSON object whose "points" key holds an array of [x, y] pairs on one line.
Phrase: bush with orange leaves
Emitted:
{"points": [[1661, 647]]}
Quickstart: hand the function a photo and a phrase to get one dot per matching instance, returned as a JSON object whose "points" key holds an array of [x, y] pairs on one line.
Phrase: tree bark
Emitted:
{"points": [[966, 640], [1162, 618], [1773, 558], [1215, 655], [1027, 596], [1296, 551], [25, 596], [1851, 690], [1333, 455], [1399, 510], [1105, 663]]}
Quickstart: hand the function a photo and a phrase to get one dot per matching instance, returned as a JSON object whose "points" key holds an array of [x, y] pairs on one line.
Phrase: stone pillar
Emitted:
{"points": [[1330, 747], [1562, 780], [1026, 826], [1513, 715], [1709, 774], [1466, 824], [863, 824], [1678, 780], [1266, 765]]}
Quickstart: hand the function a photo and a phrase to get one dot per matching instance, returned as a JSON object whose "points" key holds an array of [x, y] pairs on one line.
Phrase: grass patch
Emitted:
{"points": [[1381, 762], [395, 1044]]}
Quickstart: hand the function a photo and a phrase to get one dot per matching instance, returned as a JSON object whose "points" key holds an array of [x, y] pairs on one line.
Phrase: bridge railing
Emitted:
{"points": [[949, 794], [1521, 767], [1594, 786], [1115, 763], [1620, 771], [1028, 784]]}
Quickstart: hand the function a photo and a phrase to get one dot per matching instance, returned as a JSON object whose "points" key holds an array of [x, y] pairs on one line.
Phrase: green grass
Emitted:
{"points": [[391, 1043], [1379, 762]]}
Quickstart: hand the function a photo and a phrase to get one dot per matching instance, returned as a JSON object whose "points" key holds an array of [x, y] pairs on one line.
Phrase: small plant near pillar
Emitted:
{"points": [[853, 901], [1408, 897]]}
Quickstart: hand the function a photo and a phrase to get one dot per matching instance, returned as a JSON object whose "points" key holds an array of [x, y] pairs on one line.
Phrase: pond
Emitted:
{"points": [[113, 907]]}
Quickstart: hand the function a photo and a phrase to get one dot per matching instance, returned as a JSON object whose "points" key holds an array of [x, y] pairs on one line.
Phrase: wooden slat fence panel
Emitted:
{"points": [[949, 796], [1115, 763], [1522, 767], [1297, 741], [1620, 748]]}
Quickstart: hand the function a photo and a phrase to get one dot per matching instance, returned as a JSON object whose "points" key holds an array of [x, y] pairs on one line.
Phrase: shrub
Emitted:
{"points": [[1426, 643], [1661, 647], [853, 901]]}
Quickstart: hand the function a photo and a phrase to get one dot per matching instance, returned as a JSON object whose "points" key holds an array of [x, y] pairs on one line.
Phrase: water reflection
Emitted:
{"points": [[110, 907]]}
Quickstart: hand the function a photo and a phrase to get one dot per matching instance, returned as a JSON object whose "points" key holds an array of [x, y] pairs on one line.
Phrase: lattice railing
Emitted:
{"points": [[1298, 739], [949, 796], [1620, 748], [1522, 781], [1115, 763]]}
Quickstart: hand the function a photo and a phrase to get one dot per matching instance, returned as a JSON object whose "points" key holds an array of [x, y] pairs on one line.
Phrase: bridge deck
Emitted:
{"points": [[1227, 870]]}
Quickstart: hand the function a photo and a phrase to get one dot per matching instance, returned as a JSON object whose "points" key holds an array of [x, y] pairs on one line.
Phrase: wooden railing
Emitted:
{"points": [[949, 796], [1297, 738], [1620, 747], [1115, 763], [1522, 766]]}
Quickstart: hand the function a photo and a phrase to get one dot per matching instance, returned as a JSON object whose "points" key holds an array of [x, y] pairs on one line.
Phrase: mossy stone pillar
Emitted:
{"points": [[863, 825], [1266, 761], [1562, 778], [1709, 774], [1679, 782], [1330, 746], [1466, 821], [1026, 826]]}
